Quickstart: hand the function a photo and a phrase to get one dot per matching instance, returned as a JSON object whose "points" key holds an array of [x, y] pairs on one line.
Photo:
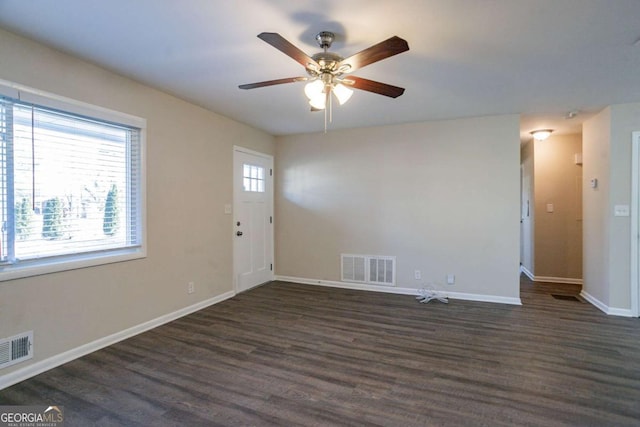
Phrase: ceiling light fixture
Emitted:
{"points": [[319, 91], [541, 134], [326, 79], [327, 70]]}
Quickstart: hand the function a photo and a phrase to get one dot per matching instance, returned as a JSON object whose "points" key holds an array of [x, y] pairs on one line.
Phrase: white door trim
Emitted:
{"points": [[239, 149], [253, 152], [635, 230]]}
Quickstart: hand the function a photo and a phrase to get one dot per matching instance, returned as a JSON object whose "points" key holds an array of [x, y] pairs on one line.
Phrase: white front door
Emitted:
{"points": [[252, 219]]}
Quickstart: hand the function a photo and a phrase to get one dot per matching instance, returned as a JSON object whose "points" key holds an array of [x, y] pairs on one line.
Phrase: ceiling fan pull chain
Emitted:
{"points": [[330, 101], [325, 116]]}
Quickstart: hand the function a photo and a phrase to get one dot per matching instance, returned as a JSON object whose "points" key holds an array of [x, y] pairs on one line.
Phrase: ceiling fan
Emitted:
{"points": [[329, 72]]}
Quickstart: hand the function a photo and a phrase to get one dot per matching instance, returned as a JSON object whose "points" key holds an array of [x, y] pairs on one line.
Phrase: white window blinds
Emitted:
{"points": [[70, 185]]}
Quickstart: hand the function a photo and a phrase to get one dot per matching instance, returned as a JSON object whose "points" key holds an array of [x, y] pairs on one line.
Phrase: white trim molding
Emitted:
{"points": [[561, 280], [75, 353], [635, 218], [399, 290], [526, 272], [550, 279], [612, 311]]}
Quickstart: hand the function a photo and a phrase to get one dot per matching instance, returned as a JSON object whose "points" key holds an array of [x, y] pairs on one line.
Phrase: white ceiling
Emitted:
{"points": [[538, 58]]}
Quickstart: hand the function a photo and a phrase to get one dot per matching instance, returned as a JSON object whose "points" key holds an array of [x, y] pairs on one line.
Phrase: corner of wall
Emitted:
{"points": [[596, 141]]}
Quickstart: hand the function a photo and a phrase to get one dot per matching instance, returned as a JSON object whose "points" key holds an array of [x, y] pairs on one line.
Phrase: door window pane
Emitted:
{"points": [[253, 178]]}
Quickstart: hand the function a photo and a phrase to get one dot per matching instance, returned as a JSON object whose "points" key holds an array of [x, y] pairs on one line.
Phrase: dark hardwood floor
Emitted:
{"points": [[286, 354]]}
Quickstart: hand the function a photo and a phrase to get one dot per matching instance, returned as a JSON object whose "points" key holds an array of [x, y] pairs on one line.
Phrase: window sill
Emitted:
{"points": [[68, 262]]}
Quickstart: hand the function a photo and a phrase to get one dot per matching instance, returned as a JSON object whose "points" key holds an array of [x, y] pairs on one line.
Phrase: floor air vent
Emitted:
{"points": [[373, 269], [566, 297], [16, 349]]}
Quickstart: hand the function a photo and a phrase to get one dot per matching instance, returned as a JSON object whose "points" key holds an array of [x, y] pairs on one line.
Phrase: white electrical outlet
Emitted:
{"points": [[417, 274], [191, 287], [451, 279]]}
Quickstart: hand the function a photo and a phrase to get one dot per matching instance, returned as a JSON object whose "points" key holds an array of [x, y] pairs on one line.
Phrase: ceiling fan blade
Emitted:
{"points": [[373, 86], [273, 82], [375, 53], [280, 43]]}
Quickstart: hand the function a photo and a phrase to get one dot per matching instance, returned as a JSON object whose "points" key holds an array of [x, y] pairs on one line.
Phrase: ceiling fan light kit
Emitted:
{"points": [[326, 70], [342, 92]]}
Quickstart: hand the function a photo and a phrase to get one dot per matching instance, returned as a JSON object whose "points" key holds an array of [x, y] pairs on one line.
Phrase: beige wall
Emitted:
{"points": [[189, 167], [443, 197], [607, 157], [558, 234], [625, 119], [595, 156]]}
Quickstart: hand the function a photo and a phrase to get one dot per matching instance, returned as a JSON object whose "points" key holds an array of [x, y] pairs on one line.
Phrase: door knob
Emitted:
{"points": [[238, 233]]}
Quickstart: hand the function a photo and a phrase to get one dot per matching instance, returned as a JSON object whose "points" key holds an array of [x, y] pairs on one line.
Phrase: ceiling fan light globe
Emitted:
{"points": [[342, 92], [314, 89], [319, 101]]}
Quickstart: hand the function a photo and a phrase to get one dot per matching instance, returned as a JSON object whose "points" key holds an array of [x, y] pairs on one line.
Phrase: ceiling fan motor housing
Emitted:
{"points": [[328, 63], [325, 38]]}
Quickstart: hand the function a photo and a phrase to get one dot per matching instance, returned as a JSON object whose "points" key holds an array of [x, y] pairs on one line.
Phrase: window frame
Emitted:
{"points": [[60, 263]]}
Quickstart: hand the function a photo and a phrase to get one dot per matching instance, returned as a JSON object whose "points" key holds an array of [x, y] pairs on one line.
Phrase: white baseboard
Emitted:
{"points": [[399, 290], [561, 280], [526, 272], [550, 279], [75, 353], [612, 311]]}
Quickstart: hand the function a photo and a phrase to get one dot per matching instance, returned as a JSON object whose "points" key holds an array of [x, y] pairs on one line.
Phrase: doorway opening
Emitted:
{"points": [[551, 210]]}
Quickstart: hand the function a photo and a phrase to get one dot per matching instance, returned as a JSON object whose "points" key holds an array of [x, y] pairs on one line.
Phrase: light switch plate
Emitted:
{"points": [[621, 210], [227, 209], [550, 207]]}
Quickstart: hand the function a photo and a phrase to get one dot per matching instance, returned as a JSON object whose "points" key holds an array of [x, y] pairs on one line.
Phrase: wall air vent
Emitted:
{"points": [[382, 271], [353, 268], [371, 269], [16, 349]]}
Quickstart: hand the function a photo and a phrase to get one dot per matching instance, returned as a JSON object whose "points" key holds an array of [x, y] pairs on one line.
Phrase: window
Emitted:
{"points": [[253, 178], [70, 188]]}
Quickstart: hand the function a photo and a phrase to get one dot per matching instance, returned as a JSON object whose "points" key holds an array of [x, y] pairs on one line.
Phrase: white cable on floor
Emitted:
{"points": [[429, 295]]}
